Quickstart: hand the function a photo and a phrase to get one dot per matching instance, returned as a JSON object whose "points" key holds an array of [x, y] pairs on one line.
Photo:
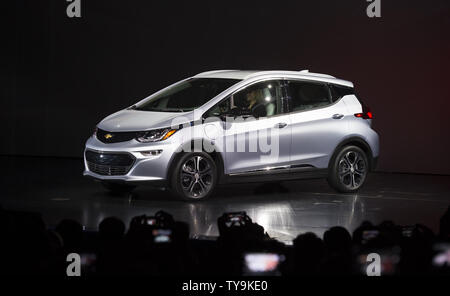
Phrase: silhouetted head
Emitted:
{"points": [[444, 225], [308, 253], [308, 244], [71, 232], [111, 228], [337, 239]]}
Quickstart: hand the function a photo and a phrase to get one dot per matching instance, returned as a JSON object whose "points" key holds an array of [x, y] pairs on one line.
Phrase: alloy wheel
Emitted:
{"points": [[196, 177], [352, 169]]}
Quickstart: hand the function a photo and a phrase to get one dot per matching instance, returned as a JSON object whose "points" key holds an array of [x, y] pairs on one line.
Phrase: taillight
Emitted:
{"points": [[366, 113]]}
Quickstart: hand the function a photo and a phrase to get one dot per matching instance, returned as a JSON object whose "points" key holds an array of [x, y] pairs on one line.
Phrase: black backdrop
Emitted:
{"points": [[60, 76]]}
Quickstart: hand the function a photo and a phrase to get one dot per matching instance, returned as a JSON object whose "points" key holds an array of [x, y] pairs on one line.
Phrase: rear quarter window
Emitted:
{"points": [[308, 95], [339, 91]]}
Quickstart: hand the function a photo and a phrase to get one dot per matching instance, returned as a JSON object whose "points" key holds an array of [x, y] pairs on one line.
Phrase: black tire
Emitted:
{"points": [[118, 187], [348, 169], [192, 181]]}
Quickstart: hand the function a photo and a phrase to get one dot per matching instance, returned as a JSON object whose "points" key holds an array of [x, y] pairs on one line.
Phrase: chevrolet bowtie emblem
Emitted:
{"points": [[108, 136]]}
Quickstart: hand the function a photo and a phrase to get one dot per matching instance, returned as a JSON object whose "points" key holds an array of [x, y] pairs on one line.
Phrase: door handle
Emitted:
{"points": [[280, 125], [337, 116]]}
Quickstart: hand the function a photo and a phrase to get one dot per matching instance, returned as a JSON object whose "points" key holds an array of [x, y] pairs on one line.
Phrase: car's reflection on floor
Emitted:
{"points": [[283, 211]]}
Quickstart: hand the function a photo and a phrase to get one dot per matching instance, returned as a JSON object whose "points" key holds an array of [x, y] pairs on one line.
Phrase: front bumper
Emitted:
{"points": [[143, 168]]}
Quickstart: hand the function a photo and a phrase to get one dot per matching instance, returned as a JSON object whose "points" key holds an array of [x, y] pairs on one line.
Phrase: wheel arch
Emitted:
{"points": [[358, 142], [215, 155]]}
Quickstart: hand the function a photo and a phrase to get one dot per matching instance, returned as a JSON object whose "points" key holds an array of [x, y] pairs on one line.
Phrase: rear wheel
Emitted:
{"points": [[194, 176], [118, 187], [348, 169]]}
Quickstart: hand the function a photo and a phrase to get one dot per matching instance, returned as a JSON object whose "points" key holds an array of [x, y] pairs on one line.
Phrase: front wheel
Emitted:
{"points": [[348, 170], [194, 176]]}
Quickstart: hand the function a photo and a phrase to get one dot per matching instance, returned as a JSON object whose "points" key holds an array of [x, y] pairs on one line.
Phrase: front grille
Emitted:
{"points": [[114, 137], [109, 164], [107, 170]]}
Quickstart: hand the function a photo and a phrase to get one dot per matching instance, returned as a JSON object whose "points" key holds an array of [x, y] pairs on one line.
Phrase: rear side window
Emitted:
{"points": [[308, 95], [338, 91]]}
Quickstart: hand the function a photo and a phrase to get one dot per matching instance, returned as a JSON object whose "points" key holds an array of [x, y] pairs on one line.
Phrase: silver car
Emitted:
{"points": [[231, 126]]}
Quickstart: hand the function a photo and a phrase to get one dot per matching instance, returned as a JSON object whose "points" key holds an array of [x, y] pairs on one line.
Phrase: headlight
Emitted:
{"points": [[155, 135]]}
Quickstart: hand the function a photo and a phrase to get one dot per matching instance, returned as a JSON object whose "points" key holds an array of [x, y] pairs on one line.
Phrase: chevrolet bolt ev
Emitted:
{"points": [[232, 126]]}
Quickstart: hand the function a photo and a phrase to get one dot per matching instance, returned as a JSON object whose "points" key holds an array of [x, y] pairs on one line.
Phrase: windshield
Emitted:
{"points": [[187, 95]]}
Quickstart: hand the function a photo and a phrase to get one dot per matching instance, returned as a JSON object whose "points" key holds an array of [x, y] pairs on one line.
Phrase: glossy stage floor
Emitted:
{"points": [[55, 188]]}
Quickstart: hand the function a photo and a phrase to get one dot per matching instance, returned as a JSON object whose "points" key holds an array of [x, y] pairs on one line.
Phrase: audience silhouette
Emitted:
{"points": [[159, 245]]}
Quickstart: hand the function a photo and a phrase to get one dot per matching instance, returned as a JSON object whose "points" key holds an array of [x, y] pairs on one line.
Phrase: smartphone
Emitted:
{"points": [[368, 235], [441, 256], [152, 221], [262, 263], [236, 219], [407, 231], [161, 236]]}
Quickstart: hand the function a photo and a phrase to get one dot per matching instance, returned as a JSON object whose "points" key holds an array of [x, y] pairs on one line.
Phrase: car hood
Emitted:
{"points": [[135, 120]]}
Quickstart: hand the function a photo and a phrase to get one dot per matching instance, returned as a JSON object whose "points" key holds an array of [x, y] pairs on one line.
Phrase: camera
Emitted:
{"points": [[408, 231], [162, 236], [369, 235], [235, 219], [441, 256], [151, 221], [157, 229], [262, 264]]}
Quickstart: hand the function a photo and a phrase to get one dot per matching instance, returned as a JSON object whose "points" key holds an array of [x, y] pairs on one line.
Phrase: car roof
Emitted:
{"points": [[247, 74]]}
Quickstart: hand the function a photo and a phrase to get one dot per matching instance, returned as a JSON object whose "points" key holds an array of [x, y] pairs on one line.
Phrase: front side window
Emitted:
{"points": [[262, 99], [187, 95], [308, 95]]}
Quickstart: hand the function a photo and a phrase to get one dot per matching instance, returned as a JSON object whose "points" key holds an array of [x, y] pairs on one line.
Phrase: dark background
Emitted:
{"points": [[60, 76]]}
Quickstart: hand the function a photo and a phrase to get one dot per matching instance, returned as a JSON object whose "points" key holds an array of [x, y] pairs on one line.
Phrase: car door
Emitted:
{"points": [[317, 123], [256, 135]]}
